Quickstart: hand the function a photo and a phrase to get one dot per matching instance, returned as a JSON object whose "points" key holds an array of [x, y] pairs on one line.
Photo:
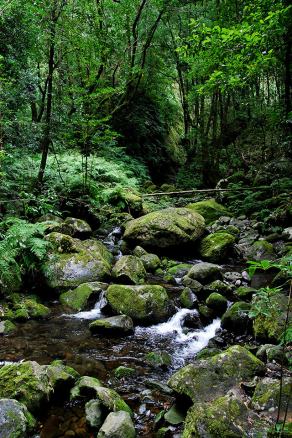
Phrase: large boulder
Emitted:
{"points": [[26, 382], [129, 270], [78, 299], [80, 228], [216, 247], [33, 384], [117, 425], [72, 262], [15, 420], [260, 250], [227, 416], [168, 228], [207, 379], [147, 303], [204, 273], [210, 210], [121, 325]]}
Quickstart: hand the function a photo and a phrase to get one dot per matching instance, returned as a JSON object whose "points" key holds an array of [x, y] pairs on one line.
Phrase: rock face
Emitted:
{"points": [[147, 303], [77, 299], [15, 420], [210, 210], [204, 273], [72, 262], [207, 379], [226, 416], [260, 250], [93, 413], [168, 228], [267, 393], [129, 270], [217, 303], [117, 425], [215, 247], [119, 325]]}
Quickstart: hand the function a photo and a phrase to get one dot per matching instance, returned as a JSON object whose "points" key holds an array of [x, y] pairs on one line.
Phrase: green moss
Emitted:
{"points": [[260, 250], [267, 393], [112, 400], [213, 377], [210, 210], [77, 299], [130, 270], [236, 317], [219, 287], [215, 247], [9, 327], [26, 382], [122, 372], [187, 298], [222, 418], [245, 293], [217, 302], [158, 359], [166, 228], [141, 303]]}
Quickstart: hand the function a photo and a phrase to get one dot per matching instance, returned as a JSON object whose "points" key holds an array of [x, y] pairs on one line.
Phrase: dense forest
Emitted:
{"points": [[145, 218]]}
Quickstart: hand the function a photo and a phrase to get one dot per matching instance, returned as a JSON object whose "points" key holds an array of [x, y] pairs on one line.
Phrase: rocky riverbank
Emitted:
{"points": [[148, 332]]}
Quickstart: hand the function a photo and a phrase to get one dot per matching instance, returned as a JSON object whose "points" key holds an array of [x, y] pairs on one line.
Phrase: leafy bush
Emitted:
{"points": [[22, 248]]}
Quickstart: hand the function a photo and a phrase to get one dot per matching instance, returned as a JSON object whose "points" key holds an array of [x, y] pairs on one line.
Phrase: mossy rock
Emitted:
{"points": [[236, 318], [83, 262], [207, 352], [15, 419], [111, 400], [122, 372], [85, 387], [217, 302], [271, 327], [261, 250], [164, 229], [151, 262], [187, 298], [93, 413], [129, 270], [61, 376], [204, 272], [214, 376], [118, 325], [245, 293], [27, 382], [147, 303], [267, 394], [23, 308], [220, 287], [210, 210], [81, 229], [158, 359], [116, 425], [216, 247], [7, 327], [226, 416], [78, 299]]}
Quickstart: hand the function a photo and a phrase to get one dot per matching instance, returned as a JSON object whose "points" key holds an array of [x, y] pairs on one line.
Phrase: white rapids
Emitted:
{"points": [[94, 313], [185, 343]]}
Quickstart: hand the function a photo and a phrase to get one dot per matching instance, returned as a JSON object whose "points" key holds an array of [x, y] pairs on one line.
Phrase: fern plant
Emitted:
{"points": [[22, 248]]}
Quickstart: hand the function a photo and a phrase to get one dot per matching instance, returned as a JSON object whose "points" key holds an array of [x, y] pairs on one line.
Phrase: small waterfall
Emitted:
{"points": [[185, 343], [95, 313], [112, 240]]}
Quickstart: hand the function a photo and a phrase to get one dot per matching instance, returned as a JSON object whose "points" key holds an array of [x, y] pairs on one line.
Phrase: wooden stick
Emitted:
{"points": [[185, 192]]}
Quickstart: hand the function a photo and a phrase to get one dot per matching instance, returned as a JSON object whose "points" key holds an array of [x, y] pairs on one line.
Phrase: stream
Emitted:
{"points": [[66, 336]]}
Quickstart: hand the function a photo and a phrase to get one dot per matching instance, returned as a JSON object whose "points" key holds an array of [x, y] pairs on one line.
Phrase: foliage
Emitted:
{"points": [[22, 248]]}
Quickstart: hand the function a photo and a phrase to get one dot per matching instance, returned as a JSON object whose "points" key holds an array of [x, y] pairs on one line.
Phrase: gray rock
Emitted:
{"points": [[15, 420], [117, 425], [79, 226], [129, 270], [93, 413], [205, 272], [121, 324]]}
